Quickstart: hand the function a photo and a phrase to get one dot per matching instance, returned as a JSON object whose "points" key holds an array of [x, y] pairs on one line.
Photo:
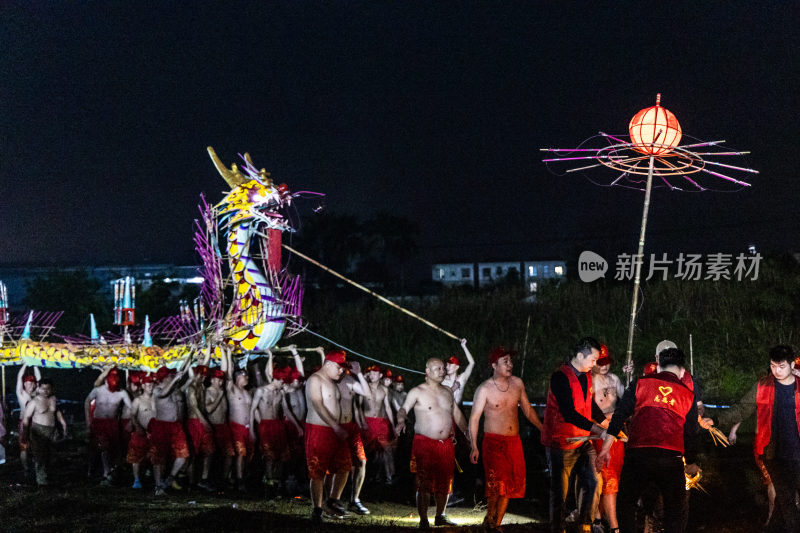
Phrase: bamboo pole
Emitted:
{"points": [[373, 293], [525, 347], [691, 356], [639, 260]]}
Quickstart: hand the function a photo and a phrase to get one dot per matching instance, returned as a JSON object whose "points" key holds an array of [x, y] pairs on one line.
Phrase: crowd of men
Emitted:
{"points": [[208, 423]]}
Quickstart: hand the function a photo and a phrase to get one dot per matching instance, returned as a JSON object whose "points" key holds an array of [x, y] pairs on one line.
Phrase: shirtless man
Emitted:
{"points": [[26, 389], [351, 419], [607, 390], [497, 399], [143, 409], [104, 424], [201, 434], [380, 422], [453, 379], [166, 428], [39, 428], [398, 392], [217, 412], [432, 453], [266, 412], [239, 403], [326, 439]]}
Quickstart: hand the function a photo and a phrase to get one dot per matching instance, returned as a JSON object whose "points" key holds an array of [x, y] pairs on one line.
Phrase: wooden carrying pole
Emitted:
{"points": [[375, 294], [639, 260]]}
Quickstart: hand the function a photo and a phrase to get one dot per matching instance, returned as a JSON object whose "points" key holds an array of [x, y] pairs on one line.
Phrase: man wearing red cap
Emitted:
{"points": [[453, 379], [166, 428], [569, 419], [201, 434], [217, 412], [26, 389], [497, 399], [432, 452], [398, 394], [143, 409], [607, 390], [326, 440], [380, 422], [104, 423], [266, 413]]}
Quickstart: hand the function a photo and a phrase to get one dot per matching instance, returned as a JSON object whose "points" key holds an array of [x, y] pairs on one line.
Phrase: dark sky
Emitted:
{"points": [[433, 110]]}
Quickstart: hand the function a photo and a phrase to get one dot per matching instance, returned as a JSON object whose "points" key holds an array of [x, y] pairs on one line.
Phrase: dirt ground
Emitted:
{"points": [[734, 501]]}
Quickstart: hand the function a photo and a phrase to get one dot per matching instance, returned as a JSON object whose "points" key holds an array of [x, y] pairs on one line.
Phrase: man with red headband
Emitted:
{"points": [[453, 379], [143, 409], [104, 423], [201, 435], [166, 428], [327, 451], [569, 419], [432, 452], [217, 412], [26, 389], [266, 413], [380, 422], [607, 390], [497, 399], [239, 402]]}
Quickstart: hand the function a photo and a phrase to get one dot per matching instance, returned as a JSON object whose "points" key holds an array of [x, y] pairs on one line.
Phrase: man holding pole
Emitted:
{"points": [[503, 460], [568, 424]]}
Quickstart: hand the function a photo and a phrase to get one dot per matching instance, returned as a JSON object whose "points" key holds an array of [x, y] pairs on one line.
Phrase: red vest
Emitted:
{"points": [[662, 404], [555, 430], [765, 399]]}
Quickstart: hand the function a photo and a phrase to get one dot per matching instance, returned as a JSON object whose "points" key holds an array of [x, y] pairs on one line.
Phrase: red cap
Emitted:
{"points": [[454, 360], [388, 374], [294, 374], [338, 357], [399, 379], [281, 373], [201, 370], [148, 378], [29, 377], [498, 353], [162, 373], [797, 362], [373, 368], [605, 357], [650, 368], [217, 373]]}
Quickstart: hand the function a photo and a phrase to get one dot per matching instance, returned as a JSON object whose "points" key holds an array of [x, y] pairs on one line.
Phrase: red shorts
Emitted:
{"points": [[433, 461], [223, 440], [125, 430], [166, 437], [138, 446], [613, 469], [202, 438], [105, 434], [379, 434], [325, 452], [242, 445], [504, 465], [23, 444], [293, 438], [272, 439], [354, 441]]}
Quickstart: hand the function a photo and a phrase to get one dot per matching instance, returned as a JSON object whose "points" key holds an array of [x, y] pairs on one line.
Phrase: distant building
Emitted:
{"points": [[16, 277], [531, 273]]}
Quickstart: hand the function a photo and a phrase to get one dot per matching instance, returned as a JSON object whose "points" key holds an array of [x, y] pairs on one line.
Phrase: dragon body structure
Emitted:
{"points": [[248, 300]]}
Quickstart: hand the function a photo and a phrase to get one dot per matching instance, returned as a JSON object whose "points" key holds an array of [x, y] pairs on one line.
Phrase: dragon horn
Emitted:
{"points": [[233, 177], [248, 159]]}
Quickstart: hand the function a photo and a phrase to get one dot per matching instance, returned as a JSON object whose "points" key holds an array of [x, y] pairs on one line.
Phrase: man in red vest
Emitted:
{"points": [[662, 431], [567, 426]]}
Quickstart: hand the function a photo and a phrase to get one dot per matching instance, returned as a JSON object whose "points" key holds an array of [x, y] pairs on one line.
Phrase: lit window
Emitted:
{"points": [[532, 286], [559, 270], [534, 271], [546, 269], [441, 273], [530, 271]]}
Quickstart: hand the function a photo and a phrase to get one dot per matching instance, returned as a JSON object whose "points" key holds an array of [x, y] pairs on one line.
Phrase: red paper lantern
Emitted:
{"points": [[655, 130]]}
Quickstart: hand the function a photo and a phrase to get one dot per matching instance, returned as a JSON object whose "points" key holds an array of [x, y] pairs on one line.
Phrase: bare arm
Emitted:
{"points": [[388, 408], [362, 387], [464, 377], [212, 405], [87, 406], [102, 377], [37, 374], [402, 413], [527, 409], [20, 375], [298, 361], [321, 352], [62, 421], [289, 414], [254, 407], [460, 420], [137, 427], [478, 404]]}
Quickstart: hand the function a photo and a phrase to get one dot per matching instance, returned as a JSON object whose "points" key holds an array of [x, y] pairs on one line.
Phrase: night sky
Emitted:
{"points": [[433, 110]]}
